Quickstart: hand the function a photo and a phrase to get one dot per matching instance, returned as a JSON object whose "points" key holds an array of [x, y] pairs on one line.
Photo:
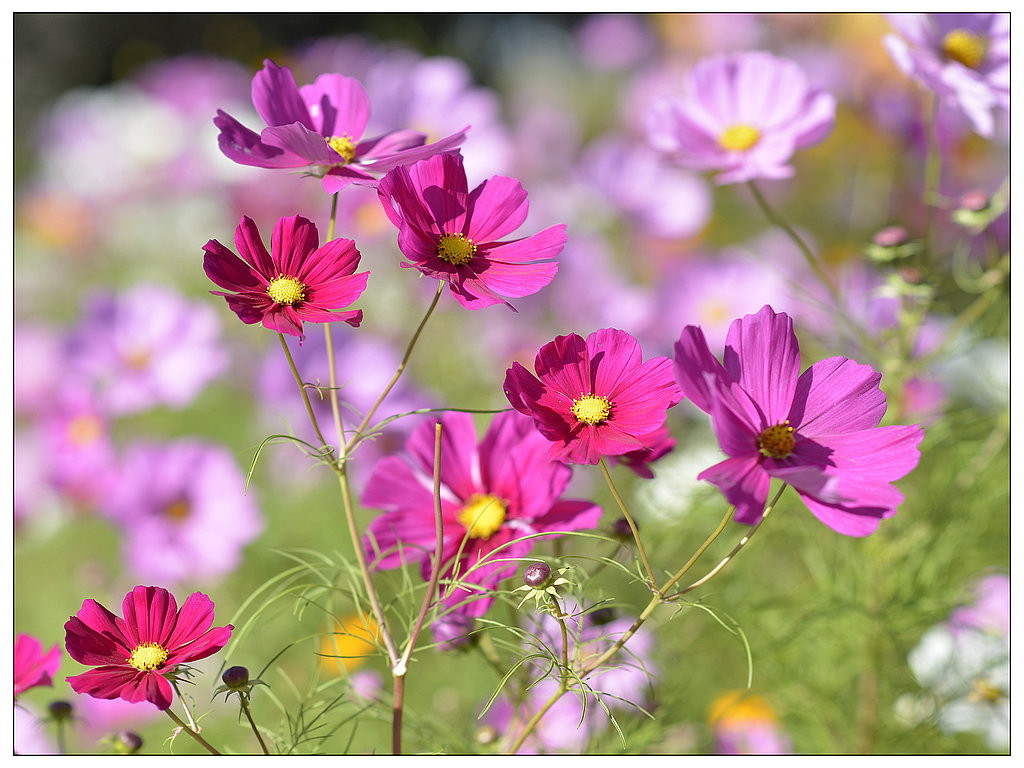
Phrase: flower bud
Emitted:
{"points": [[127, 742], [60, 710], [975, 200], [890, 237], [602, 616], [235, 677], [622, 530], [537, 575]]}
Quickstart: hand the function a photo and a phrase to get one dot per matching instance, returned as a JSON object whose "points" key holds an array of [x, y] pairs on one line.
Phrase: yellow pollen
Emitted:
{"points": [[983, 691], [483, 515], [344, 146], [966, 47], [84, 430], [739, 138], [741, 707], [591, 409], [286, 290], [148, 656], [777, 441], [455, 249]]}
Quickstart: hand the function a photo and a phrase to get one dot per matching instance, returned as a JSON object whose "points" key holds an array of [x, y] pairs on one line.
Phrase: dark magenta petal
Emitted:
{"points": [[763, 356], [150, 613], [379, 162], [696, 368], [845, 521], [283, 320], [837, 395], [93, 636], [293, 240], [569, 515], [250, 307], [564, 364], [276, 96], [340, 176], [514, 280], [614, 355], [201, 647], [387, 144], [337, 258], [498, 207], [337, 105], [458, 451], [228, 271], [546, 244], [251, 248], [735, 421], [298, 141], [124, 683], [245, 147], [396, 538], [744, 483], [194, 617]]}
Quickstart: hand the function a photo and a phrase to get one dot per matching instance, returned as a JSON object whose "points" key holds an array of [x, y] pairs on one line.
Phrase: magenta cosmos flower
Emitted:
{"points": [[296, 282], [493, 492], [817, 431], [452, 234], [596, 397], [743, 114], [137, 653], [32, 665], [963, 57], [320, 127]]}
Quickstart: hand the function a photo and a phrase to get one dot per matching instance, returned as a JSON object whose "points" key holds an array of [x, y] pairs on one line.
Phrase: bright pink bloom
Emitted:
{"points": [[33, 666], [136, 653], [596, 397], [296, 282], [817, 431], [452, 234], [501, 489], [320, 127], [743, 114]]}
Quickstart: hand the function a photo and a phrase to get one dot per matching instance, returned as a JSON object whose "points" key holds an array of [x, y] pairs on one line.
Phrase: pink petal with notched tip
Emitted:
{"points": [[763, 357]]}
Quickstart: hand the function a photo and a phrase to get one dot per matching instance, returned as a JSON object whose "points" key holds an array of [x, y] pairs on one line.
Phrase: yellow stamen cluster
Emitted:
{"points": [[777, 441], [966, 47], [344, 146], [148, 656], [178, 510], [483, 515], [455, 249], [739, 138], [591, 409], [286, 290], [741, 707]]}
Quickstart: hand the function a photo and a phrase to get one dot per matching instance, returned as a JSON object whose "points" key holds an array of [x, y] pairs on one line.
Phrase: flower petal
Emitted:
{"points": [[94, 636], [837, 395], [763, 356], [150, 612], [337, 105], [124, 683], [245, 146], [194, 617], [498, 207], [276, 96], [696, 368], [744, 483]]}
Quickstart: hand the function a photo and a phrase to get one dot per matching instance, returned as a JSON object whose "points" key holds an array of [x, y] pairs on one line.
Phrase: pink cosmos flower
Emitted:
{"points": [[33, 666], [136, 654], [743, 114], [501, 489], [596, 397], [296, 282], [320, 127], [452, 234], [745, 723], [817, 431], [963, 57]]}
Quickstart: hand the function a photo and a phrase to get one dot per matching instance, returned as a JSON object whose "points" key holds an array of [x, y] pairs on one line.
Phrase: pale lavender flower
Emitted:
{"points": [[147, 347], [37, 360], [963, 57], [30, 737], [184, 511], [613, 41], [744, 115]]}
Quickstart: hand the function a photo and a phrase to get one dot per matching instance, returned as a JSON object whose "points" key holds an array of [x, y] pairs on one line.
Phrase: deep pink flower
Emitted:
{"points": [[817, 431], [963, 57], [296, 282], [135, 654], [32, 665], [452, 234], [743, 114], [596, 397], [501, 489], [320, 127]]}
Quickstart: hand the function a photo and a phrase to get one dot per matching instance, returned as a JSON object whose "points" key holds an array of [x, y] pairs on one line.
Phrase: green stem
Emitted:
{"points": [[331, 371], [932, 173], [194, 734], [324, 447], [632, 525], [252, 723]]}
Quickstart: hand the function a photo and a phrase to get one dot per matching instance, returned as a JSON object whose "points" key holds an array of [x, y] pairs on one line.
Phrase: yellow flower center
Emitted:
{"points": [[346, 648], [739, 138], [85, 430], [483, 515], [177, 510], [591, 409], [455, 249], [286, 290], [148, 656], [344, 146], [741, 707], [777, 441], [985, 691], [966, 47]]}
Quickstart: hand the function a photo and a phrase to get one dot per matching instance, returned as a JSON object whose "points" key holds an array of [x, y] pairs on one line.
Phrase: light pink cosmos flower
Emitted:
{"points": [[744, 114], [594, 397], [32, 665], [493, 492], [452, 234], [320, 127], [134, 655], [296, 282], [963, 57], [817, 431]]}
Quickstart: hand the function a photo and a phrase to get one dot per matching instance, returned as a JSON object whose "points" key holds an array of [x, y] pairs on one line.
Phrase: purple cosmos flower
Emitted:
{"points": [[29, 731], [32, 665], [596, 397], [963, 57], [493, 492], [746, 724], [452, 234], [183, 511], [296, 282], [744, 114], [147, 346], [817, 431], [320, 127], [133, 655], [990, 612]]}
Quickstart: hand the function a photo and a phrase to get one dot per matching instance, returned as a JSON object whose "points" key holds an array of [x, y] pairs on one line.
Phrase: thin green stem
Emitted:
{"points": [[932, 173], [331, 371], [327, 449], [532, 723], [252, 723], [194, 734], [632, 525], [700, 551], [394, 379]]}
